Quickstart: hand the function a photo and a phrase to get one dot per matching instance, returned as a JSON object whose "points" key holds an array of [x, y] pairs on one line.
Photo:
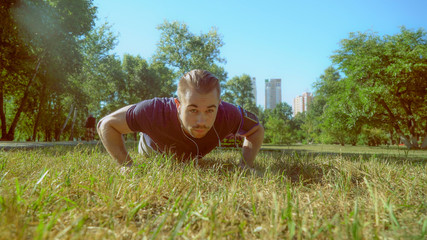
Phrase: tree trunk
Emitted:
{"points": [[424, 144], [57, 116], [2, 113], [72, 125], [414, 142], [405, 140], [11, 133], [39, 112], [410, 143], [66, 120], [395, 125], [47, 125], [391, 138]]}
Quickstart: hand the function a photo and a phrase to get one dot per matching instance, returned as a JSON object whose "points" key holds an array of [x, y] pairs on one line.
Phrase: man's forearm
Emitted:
{"points": [[114, 143], [251, 146]]}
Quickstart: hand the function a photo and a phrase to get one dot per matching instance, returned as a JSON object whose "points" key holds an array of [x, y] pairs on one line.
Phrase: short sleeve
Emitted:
{"points": [[151, 116], [249, 121], [237, 120], [137, 116]]}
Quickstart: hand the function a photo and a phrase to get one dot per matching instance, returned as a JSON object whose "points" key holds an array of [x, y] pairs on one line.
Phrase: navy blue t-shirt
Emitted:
{"points": [[158, 119]]}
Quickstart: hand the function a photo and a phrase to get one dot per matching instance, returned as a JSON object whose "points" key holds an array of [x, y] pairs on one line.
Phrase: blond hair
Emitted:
{"points": [[201, 81]]}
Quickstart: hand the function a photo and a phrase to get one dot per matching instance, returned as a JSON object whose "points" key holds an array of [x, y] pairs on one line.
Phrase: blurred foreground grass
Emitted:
{"points": [[79, 193]]}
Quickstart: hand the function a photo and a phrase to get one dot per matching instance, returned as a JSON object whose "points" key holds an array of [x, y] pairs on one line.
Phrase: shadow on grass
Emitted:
{"points": [[303, 169], [404, 158], [226, 165], [298, 167], [294, 170]]}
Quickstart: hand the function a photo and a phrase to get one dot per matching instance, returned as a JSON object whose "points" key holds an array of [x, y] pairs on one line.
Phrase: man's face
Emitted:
{"points": [[197, 112]]}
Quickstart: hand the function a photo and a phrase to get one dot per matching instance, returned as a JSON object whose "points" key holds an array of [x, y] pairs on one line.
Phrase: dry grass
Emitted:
{"points": [[79, 193]]}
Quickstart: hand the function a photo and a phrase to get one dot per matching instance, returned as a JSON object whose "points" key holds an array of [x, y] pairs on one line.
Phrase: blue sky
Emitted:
{"points": [[291, 40]]}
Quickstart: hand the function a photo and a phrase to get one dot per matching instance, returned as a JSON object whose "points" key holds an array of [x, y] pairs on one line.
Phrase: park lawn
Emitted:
{"points": [[79, 193], [396, 152]]}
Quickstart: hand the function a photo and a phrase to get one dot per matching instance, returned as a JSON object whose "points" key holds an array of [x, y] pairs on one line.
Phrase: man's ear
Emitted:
{"points": [[177, 103]]}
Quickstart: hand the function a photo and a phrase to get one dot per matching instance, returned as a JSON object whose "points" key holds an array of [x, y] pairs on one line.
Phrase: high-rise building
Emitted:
{"points": [[298, 105], [302, 103], [273, 92], [254, 89]]}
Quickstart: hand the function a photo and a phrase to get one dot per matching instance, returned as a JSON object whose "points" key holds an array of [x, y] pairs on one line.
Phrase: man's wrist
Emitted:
{"points": [[244, 165]]}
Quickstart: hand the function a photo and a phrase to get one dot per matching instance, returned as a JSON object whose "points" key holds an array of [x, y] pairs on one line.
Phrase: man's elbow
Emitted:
{"points": [[261, 128], [102, 126], [257, 131], [261, 131], [99, 125]]}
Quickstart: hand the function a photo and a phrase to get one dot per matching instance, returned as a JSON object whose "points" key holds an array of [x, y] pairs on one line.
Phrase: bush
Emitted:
{"points": [[372, 136]]}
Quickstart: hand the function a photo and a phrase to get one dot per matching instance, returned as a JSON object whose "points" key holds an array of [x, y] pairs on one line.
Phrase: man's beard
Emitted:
{"points": [[188, 130]]}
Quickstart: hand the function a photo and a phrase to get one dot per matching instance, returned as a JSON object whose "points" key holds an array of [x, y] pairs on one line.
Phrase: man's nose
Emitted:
{"points": [[201, 119]]}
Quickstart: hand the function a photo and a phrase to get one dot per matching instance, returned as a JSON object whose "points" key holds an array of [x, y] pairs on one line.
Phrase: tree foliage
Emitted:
{"points": [[99, 68], [45, 35], [316, 123], [279, 126], [183, 51], [145, 80], [238, 91], [57, 67], [389, 74]]}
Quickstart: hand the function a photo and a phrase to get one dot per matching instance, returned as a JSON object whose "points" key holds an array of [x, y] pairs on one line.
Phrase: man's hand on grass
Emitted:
{"points": [[126, 169], [249, 169]]}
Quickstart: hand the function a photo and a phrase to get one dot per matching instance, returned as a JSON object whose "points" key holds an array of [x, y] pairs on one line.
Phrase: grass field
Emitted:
{"points": [[398, 153], [298, 193]]}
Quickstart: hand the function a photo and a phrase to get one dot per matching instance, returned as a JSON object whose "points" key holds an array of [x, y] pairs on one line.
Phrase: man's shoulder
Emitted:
{"points": [[228, 110], [162, 102], [152, 107], [227, 106], [158, 100], [155, 113]]}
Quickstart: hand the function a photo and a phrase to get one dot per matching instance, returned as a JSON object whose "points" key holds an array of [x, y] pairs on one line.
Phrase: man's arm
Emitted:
{"points": [[110, 129], [251, 145]]}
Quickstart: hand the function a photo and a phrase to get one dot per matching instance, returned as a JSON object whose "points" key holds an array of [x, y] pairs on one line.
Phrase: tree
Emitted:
{"points": [[277, 131], [48, 32], [334, 115], [282, 111], [14, 59], [238, 91], [373, 136], [298, 126], [183, 51], [343, 115], [278, 126], [144, 80], [95, 89], [390, 75], [99, 68], [14, 68], [312, 120], [325, 87]]}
